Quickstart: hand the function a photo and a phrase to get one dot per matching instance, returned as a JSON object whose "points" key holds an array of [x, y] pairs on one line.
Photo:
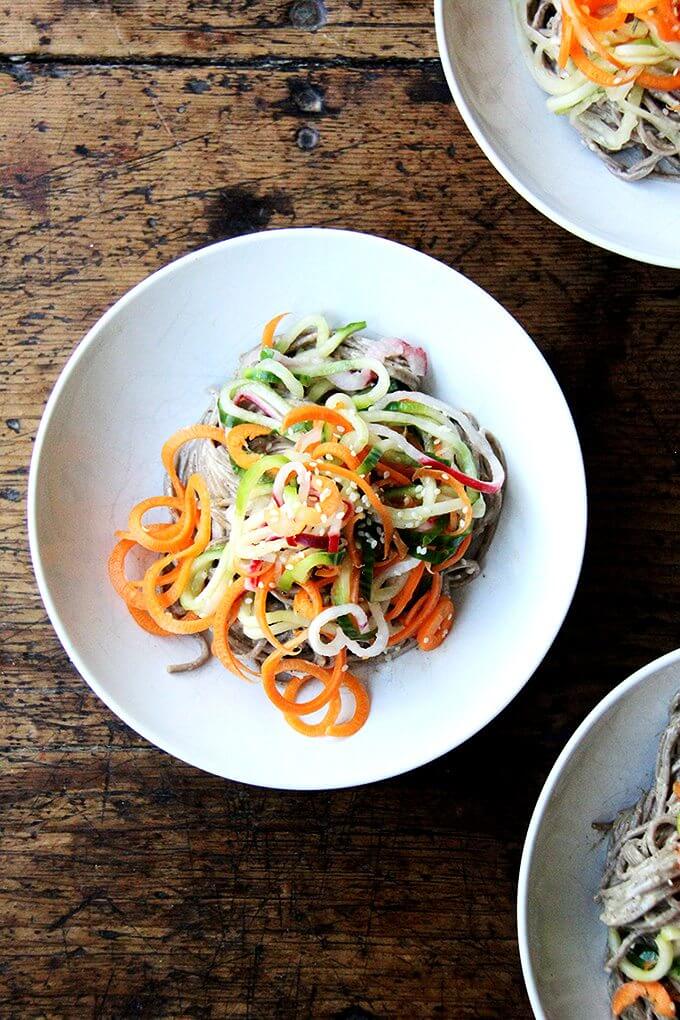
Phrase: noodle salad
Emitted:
{"points": [[612, 67], [323, 512], [640, 892]]}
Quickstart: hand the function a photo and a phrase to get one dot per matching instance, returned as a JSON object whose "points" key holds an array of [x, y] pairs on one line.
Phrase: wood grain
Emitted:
{"points": [[212, 30], [130, 884]]}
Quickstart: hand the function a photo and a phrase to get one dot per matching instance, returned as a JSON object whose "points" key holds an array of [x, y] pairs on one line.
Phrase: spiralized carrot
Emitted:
{"points": [[237, 436], [653, 991], [608, 79], [390, 474], [131, 591], [328, 726], [275, 664], [663, 83], [168, 537], [225, 615], [142, 618], [315, 412], [381, 567], [362, 706], [400, 545], [319, 729], [354, 584], [330, 500], [188, 624], [436, 626], [407, 592], [604, 22], [420, 611], [270, 329], [260, 607], [664, 15], [338, 451], [177, 441], [308, 601], [155, 606], [326, 575], [128, 590], [295, 685]]}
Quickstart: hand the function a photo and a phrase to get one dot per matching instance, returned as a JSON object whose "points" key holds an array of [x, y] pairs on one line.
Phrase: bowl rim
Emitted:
{"points": [[535, 825], [149, 733], [504, 170]]}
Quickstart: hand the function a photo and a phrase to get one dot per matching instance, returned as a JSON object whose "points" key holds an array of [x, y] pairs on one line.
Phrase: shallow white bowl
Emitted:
{"points": [[604, 768], [539, 153], [144, 371]]}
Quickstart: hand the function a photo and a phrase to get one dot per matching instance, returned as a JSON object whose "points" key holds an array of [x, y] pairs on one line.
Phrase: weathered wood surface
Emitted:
{"points": [[130, 884], [218, 30]]}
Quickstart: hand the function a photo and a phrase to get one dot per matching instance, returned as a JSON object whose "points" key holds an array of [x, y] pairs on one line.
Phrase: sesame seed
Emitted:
{"points": [[426, 641], [345, 669]]}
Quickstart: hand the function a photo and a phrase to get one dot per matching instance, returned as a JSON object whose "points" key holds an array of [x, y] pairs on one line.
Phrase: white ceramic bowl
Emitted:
{"points": [[604, 768], [144, 370], [539, 153]]}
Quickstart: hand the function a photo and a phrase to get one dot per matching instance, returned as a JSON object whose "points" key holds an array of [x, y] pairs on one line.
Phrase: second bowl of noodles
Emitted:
{"points": [[488, 50]]}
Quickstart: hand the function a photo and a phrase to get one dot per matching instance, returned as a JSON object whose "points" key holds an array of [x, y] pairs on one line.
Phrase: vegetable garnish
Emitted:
{"points": [[613, 68], [653, 991], [318, 517]]}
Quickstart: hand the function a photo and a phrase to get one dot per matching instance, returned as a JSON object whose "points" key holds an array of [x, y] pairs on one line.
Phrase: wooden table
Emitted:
{"points": [[133, 131]]}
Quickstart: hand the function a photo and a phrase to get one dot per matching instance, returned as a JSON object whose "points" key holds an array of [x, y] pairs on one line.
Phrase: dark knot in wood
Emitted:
{"points": [[307, 138], [308, 14]]}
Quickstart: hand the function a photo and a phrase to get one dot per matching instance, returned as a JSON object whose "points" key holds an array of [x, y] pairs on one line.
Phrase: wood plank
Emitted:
{"points": [[130, 884], [217, 31]]}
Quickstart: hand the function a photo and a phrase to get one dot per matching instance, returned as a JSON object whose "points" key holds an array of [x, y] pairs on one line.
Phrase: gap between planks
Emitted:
{"points": [[10, 65]]}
